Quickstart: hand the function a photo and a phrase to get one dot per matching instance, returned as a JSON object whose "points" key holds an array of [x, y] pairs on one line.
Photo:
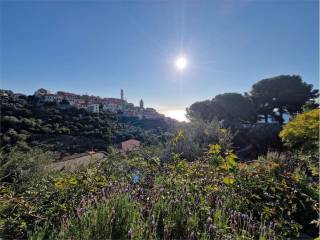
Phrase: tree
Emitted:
{"points": [[9, 121], [236, 108], [302, 131], [232, 108], [281, 94], [200, 110]]}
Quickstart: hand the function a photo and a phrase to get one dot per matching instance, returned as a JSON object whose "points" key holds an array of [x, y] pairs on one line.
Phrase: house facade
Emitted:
{"points": [[94, 108], [96, 104]]}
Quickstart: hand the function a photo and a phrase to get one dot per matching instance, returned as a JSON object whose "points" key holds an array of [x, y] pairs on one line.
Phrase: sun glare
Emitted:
{"points": [[179, 115], [181, 63]]}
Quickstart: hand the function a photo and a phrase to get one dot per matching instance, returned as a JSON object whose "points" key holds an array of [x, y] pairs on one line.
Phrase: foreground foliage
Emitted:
{"points": [[140, 197], [194, 187], [303, 131]]}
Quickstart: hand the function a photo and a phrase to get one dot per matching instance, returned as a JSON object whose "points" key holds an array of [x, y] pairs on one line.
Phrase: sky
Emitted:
{"points": [[99, 47]]}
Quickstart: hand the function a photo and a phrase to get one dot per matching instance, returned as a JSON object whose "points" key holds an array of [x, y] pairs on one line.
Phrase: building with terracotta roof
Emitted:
{"points": [[129, 145], [41, 92]]}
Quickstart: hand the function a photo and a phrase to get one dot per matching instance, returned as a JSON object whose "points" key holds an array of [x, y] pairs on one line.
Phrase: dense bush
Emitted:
{"points": [[19, 167], [302, 131], [281, 189], [110, 219], [46, 199], [137, 196], [254, 140], [192, 140]]}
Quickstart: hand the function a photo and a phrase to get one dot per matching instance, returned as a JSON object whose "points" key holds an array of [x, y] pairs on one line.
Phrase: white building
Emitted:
{"points": [[50, 98], [93, 108], [111, 107]]}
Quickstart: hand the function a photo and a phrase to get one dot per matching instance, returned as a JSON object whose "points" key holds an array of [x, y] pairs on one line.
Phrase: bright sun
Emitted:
{"points": [[181, 63], [177, 114]]}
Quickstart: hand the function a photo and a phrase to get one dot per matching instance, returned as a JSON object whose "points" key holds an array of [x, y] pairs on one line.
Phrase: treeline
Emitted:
{"points": [[255, 118], [269, 98]]}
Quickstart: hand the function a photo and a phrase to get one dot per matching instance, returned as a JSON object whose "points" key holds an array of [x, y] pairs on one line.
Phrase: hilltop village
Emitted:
{"points": [[96, 104], [68, 123]]}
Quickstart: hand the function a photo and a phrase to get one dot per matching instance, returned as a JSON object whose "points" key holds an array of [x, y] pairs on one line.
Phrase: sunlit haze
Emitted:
{"points": [[179, 115]]}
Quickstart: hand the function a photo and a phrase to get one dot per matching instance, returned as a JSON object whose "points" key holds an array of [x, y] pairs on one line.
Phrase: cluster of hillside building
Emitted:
{"points": [[97, 104]]}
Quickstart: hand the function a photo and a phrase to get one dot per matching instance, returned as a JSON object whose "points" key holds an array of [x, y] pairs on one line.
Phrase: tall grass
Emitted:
{"points": [[123, 218]]}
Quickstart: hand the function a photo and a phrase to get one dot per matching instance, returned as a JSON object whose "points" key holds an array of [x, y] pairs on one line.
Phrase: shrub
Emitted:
{"points": [[20, 167], [192, 141], [278, 188], [48, 200], [9, 121], [257, 139], [137, 197], [302, 131], [114, 219]]}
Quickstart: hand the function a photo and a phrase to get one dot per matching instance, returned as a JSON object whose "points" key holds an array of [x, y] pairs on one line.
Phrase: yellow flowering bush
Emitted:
{"points": [[214, 149], [224, 161], [302, 131]]}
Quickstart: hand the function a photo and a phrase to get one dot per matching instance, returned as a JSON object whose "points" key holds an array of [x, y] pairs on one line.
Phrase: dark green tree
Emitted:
{"points": [[236, 108], [201, 110], [281, 94], [232, 108]]}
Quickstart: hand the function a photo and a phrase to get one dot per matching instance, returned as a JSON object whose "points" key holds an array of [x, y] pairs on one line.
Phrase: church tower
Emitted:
{"points": [[141, 104], [121, 94]]}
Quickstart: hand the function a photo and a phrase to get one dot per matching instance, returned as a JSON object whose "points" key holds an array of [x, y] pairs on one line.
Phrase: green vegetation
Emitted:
{"points": [[271, 100], [188, 181], [287, 94], [24, 123], [212, 198], [232, 108], [303, 131]]}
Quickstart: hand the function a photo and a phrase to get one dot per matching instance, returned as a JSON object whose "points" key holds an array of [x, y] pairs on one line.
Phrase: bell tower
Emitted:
{"points": [[141, 104], [121, 94]]}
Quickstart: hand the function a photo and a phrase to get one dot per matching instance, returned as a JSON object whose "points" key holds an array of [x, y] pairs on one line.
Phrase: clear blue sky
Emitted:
{"points": [[99, 47]]}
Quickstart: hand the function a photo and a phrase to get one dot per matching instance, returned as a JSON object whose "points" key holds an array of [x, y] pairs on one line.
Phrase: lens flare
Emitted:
{"points": [[181, 63]]}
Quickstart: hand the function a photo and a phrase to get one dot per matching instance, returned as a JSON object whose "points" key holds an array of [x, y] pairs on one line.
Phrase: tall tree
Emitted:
{"points": [[232, 108], [200, 110], [236, 108], [281, 94]]}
